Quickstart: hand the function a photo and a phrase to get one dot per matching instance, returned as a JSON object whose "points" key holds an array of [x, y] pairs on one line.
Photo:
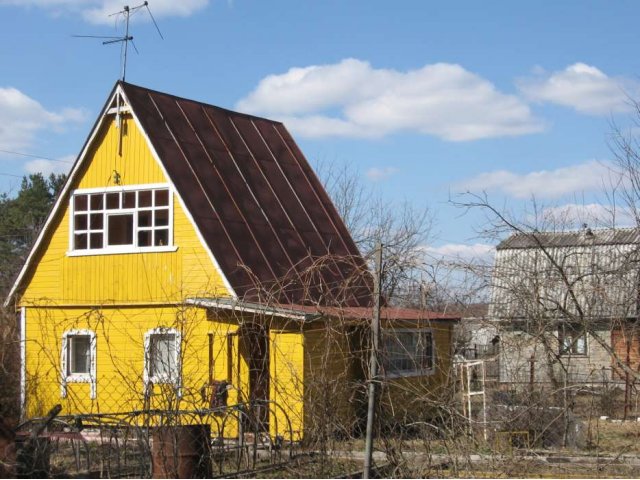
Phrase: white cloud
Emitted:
{"points": [[46, 167], [98, 11], [582, 87], [377, 174], [583, 177], [461, 251], [573, 215], [351, 98], [21, 117]]}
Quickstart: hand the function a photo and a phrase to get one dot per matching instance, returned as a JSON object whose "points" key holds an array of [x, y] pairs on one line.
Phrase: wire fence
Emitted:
{"points": [[153, 443]]}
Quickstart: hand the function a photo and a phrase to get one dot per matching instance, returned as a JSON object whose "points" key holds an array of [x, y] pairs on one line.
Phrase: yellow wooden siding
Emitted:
{"points": [[134, 278], [414, 398], [331, 390], [120, 360], [135, 166], [119, 356], [286, 387]]}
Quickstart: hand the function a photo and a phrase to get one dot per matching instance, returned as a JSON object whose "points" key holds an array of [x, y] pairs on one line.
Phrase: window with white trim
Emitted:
{"points": [[407, 352], [121, 219], [162, 356], [78, 359]]}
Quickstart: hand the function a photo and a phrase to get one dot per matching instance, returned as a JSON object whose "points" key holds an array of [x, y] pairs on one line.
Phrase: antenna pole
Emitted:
{"points": [[124, 50], [126, 42]]}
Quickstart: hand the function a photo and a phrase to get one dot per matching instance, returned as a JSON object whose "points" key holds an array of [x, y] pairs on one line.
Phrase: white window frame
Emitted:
{"points": [[90, 376], [408, 373], [120, 249], [162, 379]]}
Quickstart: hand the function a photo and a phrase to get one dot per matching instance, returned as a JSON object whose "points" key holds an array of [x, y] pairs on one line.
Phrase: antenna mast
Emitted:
{"points": [[126, 12]]}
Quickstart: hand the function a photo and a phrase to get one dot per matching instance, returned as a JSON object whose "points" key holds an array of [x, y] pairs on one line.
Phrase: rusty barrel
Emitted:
{"points": [[181, 451], [32, 457]]}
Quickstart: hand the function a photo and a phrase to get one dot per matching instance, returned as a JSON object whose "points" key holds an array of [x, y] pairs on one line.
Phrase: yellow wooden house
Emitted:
{"points": [[193, 245]]}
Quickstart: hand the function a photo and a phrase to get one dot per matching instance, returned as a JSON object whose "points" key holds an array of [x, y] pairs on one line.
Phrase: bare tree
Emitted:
{"points": [[403, 228]]}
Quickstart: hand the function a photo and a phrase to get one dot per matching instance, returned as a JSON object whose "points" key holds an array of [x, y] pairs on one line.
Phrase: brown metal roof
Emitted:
{"points": [[258, 204]]}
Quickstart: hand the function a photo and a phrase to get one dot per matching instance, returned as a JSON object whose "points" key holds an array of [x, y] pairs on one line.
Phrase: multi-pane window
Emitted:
{"points": [[572, 340], [120, 219], [407, 352], [162, 356]]}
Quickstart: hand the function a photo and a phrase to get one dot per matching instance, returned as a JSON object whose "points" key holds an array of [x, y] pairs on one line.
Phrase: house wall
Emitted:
{"points": [[121, 279], [119, 356], [120, 297], [334, 388], [518, 347], [415, 398], [287, 377], [318, 378], [626, 345]]}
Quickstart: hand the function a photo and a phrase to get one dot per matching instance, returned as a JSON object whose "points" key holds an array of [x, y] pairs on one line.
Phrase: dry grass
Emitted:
{"points": [[614, 437]]}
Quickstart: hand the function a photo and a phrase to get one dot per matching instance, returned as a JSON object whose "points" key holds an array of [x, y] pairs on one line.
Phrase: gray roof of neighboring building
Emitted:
{"points": [[584, 237]]}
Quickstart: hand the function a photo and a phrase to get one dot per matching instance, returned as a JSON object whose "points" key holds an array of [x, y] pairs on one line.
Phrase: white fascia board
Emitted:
{"points": [[239, 306], [59, 201], [186, 211], [23, 363]]}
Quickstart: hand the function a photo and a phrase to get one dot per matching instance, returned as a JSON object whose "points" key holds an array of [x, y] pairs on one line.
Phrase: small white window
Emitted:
{"points": [[78, 359], [162, 356], [121, 219], [572, 340], [407, 352]]}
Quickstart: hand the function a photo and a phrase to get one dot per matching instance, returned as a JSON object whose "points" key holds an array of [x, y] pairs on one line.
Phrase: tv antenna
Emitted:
{"points": [[126, 12]]}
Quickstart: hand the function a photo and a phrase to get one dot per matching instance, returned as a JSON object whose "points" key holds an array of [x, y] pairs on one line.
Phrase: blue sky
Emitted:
{"points": [[424, 99]]}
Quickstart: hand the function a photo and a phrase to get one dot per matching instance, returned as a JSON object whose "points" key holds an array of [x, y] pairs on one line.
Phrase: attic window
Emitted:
{"points": [[121, 219]]}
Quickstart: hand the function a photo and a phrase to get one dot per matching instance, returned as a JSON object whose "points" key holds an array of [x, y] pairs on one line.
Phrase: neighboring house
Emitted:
{"points": [[566, 305], [190, 246], [475, 335]]}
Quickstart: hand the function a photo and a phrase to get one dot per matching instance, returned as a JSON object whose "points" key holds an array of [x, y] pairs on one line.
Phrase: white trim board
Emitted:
{"points": [[23, 362], [65, 377]]}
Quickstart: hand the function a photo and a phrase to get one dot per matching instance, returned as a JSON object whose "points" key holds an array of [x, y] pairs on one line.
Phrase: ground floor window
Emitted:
{"points": [[78, 359], [572, 340], [162, 356], [407, 352]]}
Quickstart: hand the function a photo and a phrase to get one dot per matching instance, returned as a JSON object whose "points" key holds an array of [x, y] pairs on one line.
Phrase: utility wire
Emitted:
{"points": [[10, 152]]}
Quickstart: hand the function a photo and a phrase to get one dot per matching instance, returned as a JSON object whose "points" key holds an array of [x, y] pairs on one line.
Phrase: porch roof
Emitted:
{"points": [[308, 313]]}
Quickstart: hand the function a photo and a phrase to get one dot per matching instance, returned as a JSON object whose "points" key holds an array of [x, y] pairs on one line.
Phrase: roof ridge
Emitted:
{"points": [[191, 100], [571, 232], [573, 238]]}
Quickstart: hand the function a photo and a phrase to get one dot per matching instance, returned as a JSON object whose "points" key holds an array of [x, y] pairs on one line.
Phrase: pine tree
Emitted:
{"points": [[21, 219]]}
